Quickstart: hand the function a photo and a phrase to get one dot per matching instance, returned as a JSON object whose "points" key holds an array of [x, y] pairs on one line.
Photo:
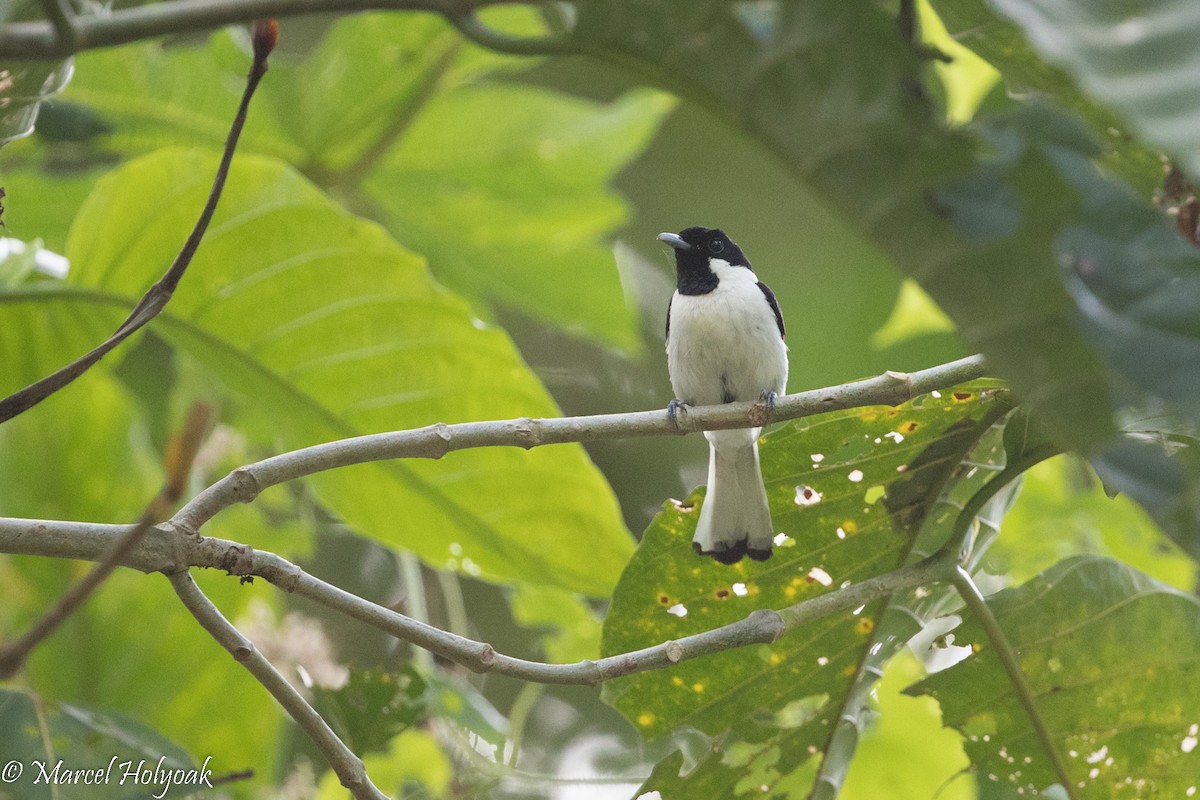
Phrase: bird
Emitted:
{"points": [[725, 344]]}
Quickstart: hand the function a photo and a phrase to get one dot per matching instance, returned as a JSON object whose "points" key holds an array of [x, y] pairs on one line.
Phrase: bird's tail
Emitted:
{"points": [[735, 519]]}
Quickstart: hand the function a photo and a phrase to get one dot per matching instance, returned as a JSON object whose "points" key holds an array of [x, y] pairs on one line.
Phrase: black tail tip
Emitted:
{"points": [[734, 553]]}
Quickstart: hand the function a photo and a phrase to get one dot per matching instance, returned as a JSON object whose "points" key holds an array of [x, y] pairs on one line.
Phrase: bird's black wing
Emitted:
{"points": [[667, 335], [771, 302]]}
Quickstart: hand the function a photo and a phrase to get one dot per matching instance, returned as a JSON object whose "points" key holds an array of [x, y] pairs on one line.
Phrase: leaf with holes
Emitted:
{"points": [[852, 493], [1112, 658], [316, 325]]}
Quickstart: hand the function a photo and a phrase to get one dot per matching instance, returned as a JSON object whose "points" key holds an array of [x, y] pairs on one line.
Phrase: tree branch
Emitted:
{"points": [[348, 767], [434, 441], [161, 292], [167, 551], [41, 40], [164, 549], [61, 17]]}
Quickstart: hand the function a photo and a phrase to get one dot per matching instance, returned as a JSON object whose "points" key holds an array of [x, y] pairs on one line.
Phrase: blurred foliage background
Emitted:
{"points": [[419, 229]]}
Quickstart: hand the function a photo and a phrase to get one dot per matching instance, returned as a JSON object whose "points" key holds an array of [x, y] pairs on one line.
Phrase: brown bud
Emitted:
{"points": [[264, 35]]}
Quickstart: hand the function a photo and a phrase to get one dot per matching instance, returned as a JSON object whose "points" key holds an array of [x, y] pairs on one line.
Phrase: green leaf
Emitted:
{"points": [[385, 113], [69, 452], [506, 212], [1111, 657], [1136, 56], [318, 326], [415, 765], [44, 743], [85, 454], [853, 492]]}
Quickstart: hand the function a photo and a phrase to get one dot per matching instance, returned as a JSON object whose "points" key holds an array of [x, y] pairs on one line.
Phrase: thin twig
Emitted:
{"points": [[180, 454], [978, 606], [40, 39], [434, 441], [347, 766], [161, 292]]}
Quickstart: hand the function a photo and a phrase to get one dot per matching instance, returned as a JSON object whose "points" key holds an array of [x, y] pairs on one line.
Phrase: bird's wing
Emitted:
{"points": [[770, 301]]}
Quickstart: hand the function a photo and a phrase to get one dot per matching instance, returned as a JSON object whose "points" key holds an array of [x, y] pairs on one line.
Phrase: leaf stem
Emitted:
{"points": [[418, 609], [1008, 658], [958, 545]]}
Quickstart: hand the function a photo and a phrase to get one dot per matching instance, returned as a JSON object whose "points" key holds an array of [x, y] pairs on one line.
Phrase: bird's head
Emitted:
{"points": [[696, 246], [697, 252]]}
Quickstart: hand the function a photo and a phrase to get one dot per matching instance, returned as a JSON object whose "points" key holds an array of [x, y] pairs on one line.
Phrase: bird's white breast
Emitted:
{"points": [[725, 344]]}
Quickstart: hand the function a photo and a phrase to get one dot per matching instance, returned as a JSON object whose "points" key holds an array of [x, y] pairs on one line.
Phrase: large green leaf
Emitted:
{"points": [[320, 326], [853, 492], [1139, 57], [391, 104], [1111, 657], [504, 211]]}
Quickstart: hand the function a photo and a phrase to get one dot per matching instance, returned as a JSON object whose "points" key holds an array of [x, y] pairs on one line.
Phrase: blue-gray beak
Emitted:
{"points": [[674, 240]]}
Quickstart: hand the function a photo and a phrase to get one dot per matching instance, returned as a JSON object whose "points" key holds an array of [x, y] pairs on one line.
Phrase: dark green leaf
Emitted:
{"points": [[1112, 659], [1136, 56], [1023, 72]]}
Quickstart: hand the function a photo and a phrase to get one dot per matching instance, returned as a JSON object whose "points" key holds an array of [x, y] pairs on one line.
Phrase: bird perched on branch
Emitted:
{"points": [[725, 345]]}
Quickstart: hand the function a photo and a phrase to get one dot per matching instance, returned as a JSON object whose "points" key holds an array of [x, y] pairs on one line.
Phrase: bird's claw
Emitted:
{"points": [[673, 411]]}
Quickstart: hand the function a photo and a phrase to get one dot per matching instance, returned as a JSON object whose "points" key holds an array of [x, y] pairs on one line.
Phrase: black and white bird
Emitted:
{"points": [[724, 345]]}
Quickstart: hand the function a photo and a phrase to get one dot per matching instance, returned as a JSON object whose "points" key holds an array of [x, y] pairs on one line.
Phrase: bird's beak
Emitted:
{"points": [[674, 240]]}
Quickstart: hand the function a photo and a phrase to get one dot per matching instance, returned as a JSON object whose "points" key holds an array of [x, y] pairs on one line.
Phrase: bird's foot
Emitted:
{"points": [[673, 409]]}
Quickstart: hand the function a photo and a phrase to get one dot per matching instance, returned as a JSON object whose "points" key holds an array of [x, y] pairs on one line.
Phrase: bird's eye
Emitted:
{"points": [[716, 246]]}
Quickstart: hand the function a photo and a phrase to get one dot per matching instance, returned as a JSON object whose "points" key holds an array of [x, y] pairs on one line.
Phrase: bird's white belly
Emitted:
{"points": [[725, 345]]}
